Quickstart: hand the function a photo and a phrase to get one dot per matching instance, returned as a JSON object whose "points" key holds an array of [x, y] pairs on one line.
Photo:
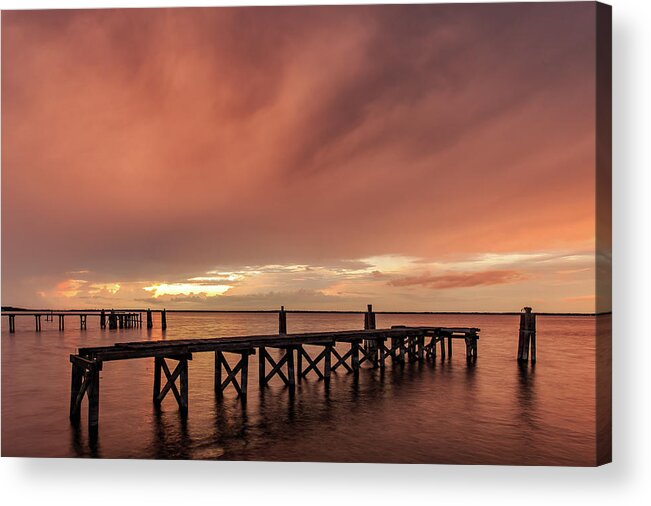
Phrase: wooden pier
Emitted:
{"points": [[349, 350], [116, 319]]}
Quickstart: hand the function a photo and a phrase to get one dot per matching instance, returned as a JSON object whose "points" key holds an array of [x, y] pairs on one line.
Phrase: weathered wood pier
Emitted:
{"points": [[112, 319], [349, 349]]}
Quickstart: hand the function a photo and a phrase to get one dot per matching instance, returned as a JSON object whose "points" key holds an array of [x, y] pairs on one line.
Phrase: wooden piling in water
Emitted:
{"points": [[12, 324], [62, 323], [527, 336], [370, 345], [163, 319], [113, 320], [150, 323], [37, 322], [102, 320], [282, 321]]}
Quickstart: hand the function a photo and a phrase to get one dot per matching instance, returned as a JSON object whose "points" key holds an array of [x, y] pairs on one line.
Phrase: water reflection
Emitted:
{"points": [[526, 394], [170, 437], [519, 414]]}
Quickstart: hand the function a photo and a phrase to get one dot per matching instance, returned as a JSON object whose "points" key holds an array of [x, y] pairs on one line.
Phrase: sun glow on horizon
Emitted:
{"points": [[186, 289]]}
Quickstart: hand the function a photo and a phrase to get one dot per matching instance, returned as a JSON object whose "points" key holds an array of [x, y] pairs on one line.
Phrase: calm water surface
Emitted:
{"points": [[442, 412]]}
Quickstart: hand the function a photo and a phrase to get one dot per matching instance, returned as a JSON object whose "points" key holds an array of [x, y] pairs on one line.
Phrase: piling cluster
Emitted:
{"points": [[527, 336]]}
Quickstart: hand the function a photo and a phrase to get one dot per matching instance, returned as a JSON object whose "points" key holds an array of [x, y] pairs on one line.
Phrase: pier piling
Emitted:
{"points": [[282, 321], [113, 320], [163, 319], [370, 345], [527, 336], [150, 323]]}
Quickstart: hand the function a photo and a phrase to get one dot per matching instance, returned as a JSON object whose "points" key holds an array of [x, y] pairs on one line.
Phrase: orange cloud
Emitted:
{"points": [[461, 279]]}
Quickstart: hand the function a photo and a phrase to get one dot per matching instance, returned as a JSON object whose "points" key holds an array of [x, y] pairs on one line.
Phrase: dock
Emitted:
{"points": [[112, 319], [349, 350]]}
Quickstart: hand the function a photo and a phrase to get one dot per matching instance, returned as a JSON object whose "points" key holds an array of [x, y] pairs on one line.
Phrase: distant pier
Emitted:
{"points": [[113, 319]]}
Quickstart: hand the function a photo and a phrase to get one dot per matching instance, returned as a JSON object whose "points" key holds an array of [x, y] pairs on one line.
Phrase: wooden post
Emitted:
{"points": [[327, 367], [82, 321], [449, 346], [262, 356], [93, 400], [102, 320], [218, 374], [299, 363], [527, 336], [355, 357], [421, 347], [369, 344], [157, 375], [61, 322], [282, 321], [291, 375], [149, 320], [113, 320], [184, 385], [163, 319], [37, 319], [75, 386], [244, 374], [442, 338]]}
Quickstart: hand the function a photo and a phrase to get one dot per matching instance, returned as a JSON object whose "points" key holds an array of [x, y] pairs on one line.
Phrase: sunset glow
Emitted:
{"points": [[429, 158]]}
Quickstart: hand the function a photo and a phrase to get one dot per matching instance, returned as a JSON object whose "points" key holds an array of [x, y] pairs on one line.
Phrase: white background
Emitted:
{"points": [[626, 481]]}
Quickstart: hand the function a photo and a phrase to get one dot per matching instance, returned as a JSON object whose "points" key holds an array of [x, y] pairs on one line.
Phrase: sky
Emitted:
{"points": [[425, 158]]}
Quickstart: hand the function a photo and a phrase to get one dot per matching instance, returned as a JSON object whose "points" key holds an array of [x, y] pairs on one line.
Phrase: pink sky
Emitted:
{"points": [[434, 157]]}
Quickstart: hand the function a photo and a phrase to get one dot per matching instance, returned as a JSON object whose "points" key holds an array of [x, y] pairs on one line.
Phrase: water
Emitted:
{"points": [[444, 412]]}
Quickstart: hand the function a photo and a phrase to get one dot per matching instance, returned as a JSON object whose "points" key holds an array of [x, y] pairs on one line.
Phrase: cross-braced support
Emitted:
{"points": [[180, 372], [370, 352], [430, 349], [85, 382], [313, 363], [340, 360], [396, 350], [242, 367], [288, 377]]}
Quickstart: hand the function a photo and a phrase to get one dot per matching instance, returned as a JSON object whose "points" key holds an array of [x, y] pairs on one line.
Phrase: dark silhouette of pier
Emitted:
{"points": [[114, 319], [371, 346]]}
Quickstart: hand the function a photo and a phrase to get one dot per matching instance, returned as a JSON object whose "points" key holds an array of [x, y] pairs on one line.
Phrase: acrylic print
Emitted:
{"points": [[332, 234]]}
